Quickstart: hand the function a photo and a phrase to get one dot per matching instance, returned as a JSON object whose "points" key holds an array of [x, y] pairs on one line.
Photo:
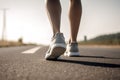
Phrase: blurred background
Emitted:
{"points": [[26, 22]]}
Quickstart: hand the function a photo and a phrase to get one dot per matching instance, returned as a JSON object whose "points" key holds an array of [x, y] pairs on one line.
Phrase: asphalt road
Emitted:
{"points": [[95, 63]]}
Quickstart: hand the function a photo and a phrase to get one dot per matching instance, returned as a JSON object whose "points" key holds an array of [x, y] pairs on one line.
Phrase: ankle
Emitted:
{"points": [[72, 41]]}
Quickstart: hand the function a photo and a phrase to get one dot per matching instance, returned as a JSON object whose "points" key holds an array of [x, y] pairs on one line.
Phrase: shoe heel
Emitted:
{"points": [[57, 52]]}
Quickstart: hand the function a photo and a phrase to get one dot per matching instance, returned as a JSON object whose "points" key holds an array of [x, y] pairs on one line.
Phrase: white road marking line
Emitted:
{"points": [[31, 51]]}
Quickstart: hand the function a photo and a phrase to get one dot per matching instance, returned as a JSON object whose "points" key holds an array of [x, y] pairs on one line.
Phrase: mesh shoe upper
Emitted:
{"points": [[73, 47], [58, 38]]}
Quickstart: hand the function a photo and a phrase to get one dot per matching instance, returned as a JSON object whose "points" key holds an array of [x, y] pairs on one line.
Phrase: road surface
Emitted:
{"points": [[28, 63]]}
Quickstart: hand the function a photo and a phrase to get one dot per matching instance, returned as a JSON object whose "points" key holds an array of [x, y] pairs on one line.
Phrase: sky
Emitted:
{"points": [[28, 19]]}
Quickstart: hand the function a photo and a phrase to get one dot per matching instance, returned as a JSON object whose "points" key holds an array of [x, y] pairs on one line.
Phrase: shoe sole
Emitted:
{"points": [[56, 51]]}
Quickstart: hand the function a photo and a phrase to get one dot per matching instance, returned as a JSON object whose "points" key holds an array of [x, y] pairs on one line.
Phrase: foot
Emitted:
{"points": [[72, 50], [57, 47]]}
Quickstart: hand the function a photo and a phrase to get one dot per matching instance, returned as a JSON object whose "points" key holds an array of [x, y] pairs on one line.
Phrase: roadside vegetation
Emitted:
{"points": [[5, 43], [110, 39]]}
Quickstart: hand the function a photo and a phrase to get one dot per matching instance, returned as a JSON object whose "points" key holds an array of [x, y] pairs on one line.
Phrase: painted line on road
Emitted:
{"points": [[31, 51]]}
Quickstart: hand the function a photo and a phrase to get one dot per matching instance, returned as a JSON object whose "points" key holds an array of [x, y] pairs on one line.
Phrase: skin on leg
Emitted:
{"points": [[75, 17], [54, 14]]}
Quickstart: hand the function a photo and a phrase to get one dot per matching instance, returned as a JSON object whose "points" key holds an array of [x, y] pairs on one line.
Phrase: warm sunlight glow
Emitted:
{"points": [[28, 19]]}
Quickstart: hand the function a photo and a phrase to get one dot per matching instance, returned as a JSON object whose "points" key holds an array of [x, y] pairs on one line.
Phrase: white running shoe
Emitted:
{"points": [[57, 47], [72, 50]]}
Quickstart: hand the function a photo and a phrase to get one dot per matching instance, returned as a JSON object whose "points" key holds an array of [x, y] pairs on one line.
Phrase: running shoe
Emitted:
{"points": [[72, 50], [57, 47]]}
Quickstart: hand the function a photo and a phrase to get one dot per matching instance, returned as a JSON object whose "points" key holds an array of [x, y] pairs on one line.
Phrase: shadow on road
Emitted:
{"points": [[98, 64], [98, 57]]}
